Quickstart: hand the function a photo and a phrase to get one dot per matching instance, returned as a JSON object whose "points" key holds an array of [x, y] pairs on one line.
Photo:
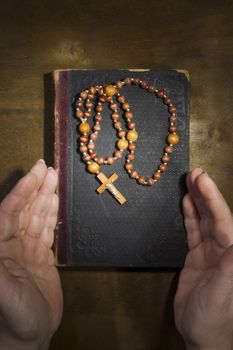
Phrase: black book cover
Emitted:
{"points": [[94, 230]]}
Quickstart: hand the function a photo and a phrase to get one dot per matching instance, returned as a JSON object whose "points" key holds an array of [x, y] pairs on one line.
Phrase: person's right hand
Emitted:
{"points": [[204, 299], [30, 293]]}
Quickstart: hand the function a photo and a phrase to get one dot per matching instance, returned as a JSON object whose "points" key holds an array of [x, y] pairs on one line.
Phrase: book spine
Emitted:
{"points": [[60, 163]]}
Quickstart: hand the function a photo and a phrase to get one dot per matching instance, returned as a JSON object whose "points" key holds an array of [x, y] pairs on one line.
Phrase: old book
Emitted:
{"points": [[94, 230]]}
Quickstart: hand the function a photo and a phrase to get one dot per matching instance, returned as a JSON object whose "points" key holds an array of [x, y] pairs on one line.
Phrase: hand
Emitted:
{"points": [[30, 295], [204, 299]]}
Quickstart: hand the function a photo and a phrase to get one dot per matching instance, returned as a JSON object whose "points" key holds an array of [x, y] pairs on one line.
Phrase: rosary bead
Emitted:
{"points": [[110, 160], [93, 167], [78, 104], [128, 115], [128, 166], [83, 139], [90, 96], [102, 99], [87, 114], [131, 125], [91, 145], [99, 108], [165, 159], [119, 84], [122, 133], [172, 118], [84, 128], [160, 93], [98, 118], [173, 128], [151, 88], [168, 149], [132, 146], [156, 176], [134, 174], [83, 94], [167, 101], [172, 109], [100, 91], [110, 90], [117, 125], [79, 114], [100, 160], [89, 104], [122, 144], [92, 90], [135, 81], [83, 149], [118, 154], [130, 156], [141, 180], [150, 182], [121, 98], [93, 154], [127, 81], [97, 127], [113, 106], [116, 116], [86, 158], [173, 139], [162, 167], [93, 136], [125, 106], [144, 84], [132, 135]]}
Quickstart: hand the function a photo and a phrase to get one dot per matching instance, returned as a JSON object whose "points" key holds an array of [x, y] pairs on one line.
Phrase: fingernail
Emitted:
{"points": [[41, 160], [50, 168]]}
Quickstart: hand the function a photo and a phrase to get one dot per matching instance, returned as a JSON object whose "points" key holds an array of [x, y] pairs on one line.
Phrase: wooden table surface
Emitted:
{"points": [[117, 310]]}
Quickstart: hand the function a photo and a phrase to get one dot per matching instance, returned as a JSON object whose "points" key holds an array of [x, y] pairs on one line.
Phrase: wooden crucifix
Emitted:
{"points": [[107, 183]]}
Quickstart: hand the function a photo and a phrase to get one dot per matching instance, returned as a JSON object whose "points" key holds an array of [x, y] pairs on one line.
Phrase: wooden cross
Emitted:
{"points": [[107, 183]]}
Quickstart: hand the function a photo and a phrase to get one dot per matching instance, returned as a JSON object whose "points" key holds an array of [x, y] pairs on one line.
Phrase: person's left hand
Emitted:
{"points": [[31, 300]]}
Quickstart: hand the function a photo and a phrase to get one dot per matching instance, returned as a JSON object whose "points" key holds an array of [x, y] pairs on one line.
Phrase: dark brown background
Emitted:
{"points": [[117, 310]]}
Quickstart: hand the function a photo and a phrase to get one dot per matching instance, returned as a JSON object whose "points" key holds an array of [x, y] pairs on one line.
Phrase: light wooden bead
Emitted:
{"points": [[110, 90], [93, 167], [122, 144], [84, 128], [173, 139], [132, 135]]}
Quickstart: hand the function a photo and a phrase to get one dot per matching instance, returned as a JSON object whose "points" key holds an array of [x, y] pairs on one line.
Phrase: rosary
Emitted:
{"points": [[127, 138]]}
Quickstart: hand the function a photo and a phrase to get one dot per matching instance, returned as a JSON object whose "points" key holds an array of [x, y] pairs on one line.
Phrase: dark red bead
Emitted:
{"points": [[167, 101], [127, 81], [172, 109], [144, 84], [160, 93]]}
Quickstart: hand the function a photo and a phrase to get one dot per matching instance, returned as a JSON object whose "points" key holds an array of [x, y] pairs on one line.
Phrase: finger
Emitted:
{"points": [[39, 170], [47, 234], [191, 178], [213, 210], [50, 182], [42, 204], [192, 221]]}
